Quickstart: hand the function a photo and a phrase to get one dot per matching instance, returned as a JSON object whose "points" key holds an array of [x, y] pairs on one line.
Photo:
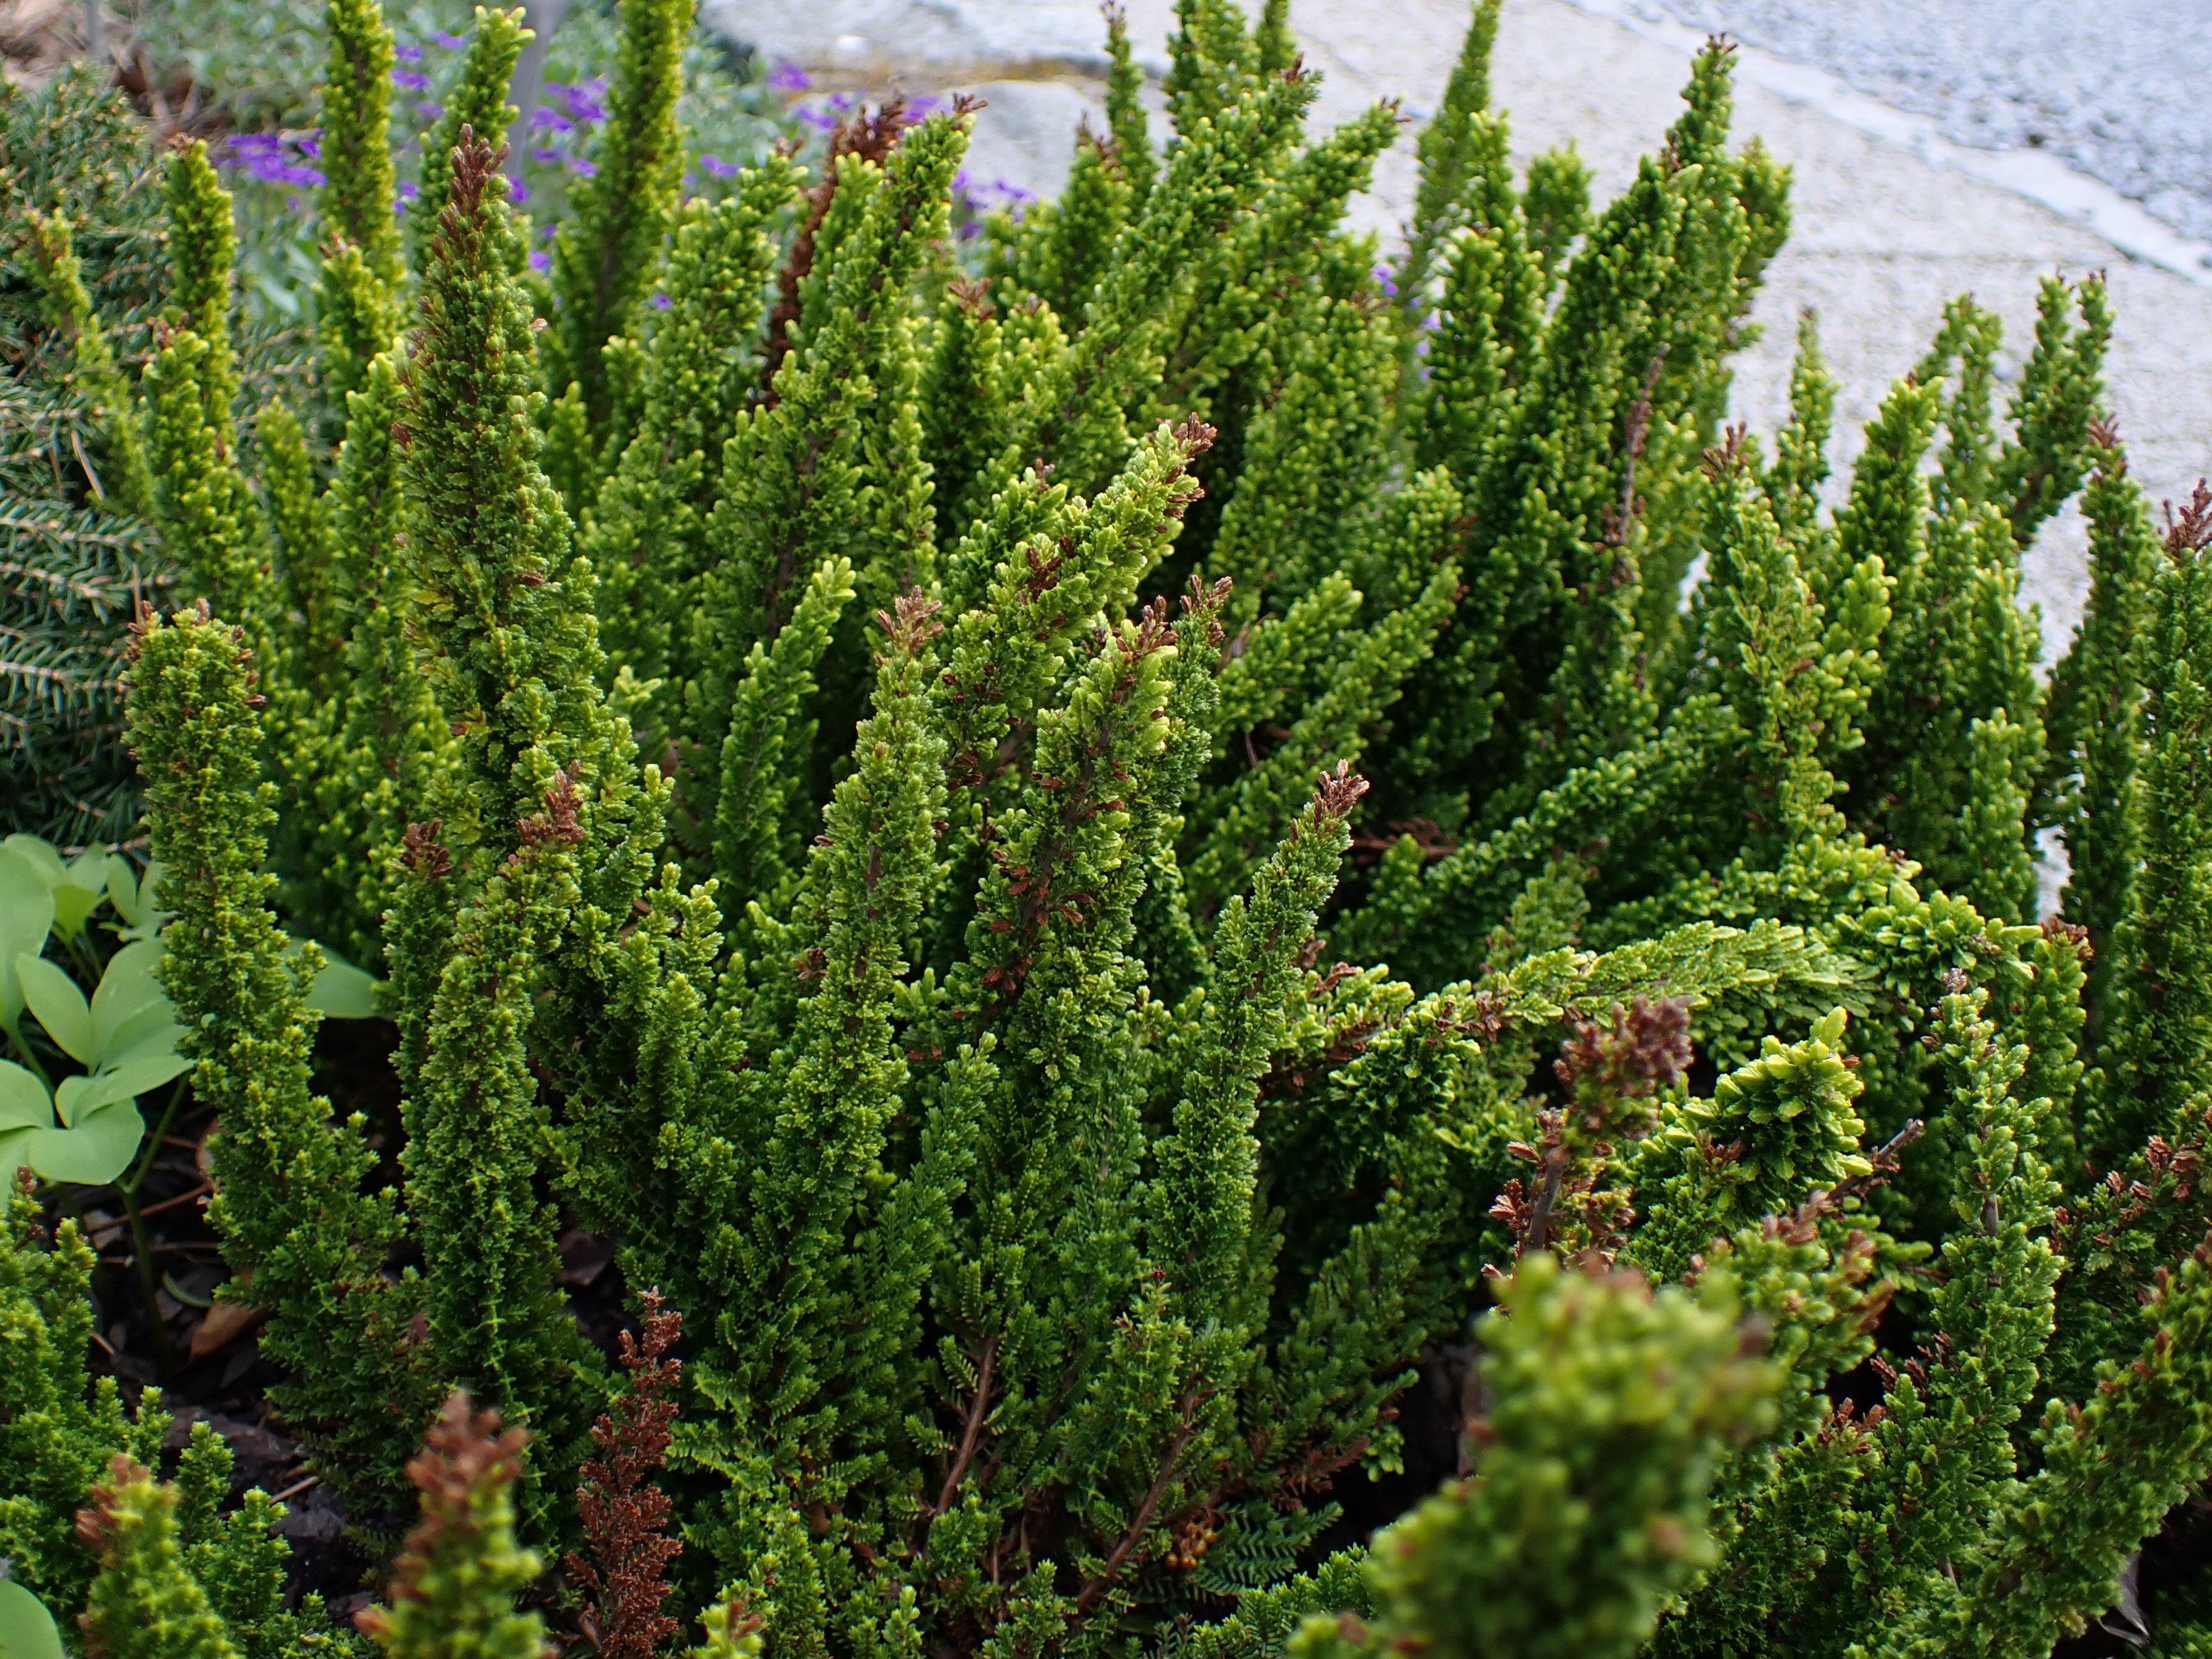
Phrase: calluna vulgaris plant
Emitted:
{"points": [[843, 743]]}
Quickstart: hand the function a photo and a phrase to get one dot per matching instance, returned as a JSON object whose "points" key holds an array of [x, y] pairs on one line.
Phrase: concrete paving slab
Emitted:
{"points": [[1884, 231]]}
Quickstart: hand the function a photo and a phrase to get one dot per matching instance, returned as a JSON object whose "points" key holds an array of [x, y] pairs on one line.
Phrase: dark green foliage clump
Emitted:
{"points": [[1117, 861]]}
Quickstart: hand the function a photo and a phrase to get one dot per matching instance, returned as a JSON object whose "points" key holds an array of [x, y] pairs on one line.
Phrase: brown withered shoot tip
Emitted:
{"points": [[1644, 1047], [476, 164], [623, 1513], [2190, 532], [912, 621], [1338, 792]]}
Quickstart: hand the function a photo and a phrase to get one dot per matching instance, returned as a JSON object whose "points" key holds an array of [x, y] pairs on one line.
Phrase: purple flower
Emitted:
{"points": [[545, 156], [816, 118], [429, 111], [841, 101], [265, 159], [543, 118], [546, 231], [517, 191], [450, 42], [408, 192], [718, 168], [411, 80], [408, 54], [270, 170], [541, 261], [583, 102], [583, 169], [789, 77], [311, 145], [921, 107], [661, 302], [1384, 281]]}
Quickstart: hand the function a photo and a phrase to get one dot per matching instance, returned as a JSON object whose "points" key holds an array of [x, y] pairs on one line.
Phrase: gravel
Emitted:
{"points": [[2109, 87]]}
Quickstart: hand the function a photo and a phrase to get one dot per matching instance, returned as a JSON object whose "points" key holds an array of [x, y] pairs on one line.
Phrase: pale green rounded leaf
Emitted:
{"points": [[76, 1096], [23, 1103], [126, 989], [41, 855], [92, 1153], [123, 890], [27, 915], [147, 1034], [52, 996], [72, 904], [144, 912], [342, 991], [88, 870], [26, 1629], [15, 1150]]}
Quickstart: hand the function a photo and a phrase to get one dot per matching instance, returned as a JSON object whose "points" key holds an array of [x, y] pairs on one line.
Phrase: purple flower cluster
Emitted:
{"points": [[554, 123], [718, 168], [269, 158], [411, 80], [789, 77], [582, 98], [982, 198]]}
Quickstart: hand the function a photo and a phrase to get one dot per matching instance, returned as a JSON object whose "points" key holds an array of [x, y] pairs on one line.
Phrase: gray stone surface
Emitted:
{"points": [[2098, 84], [1890, 219]]}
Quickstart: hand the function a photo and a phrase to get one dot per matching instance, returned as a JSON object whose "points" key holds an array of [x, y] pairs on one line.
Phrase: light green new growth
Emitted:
{"points": [[1576, 1520], [455, 1580], [604, 254], [478, 104], [144, 1605]]}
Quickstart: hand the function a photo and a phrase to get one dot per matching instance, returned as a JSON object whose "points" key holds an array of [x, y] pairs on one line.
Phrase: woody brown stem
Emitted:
{"points": [[1088, 1596], [971, 1433]]}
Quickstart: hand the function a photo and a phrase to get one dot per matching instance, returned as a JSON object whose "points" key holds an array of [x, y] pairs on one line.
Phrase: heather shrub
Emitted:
{"points": [[1120, 862]]}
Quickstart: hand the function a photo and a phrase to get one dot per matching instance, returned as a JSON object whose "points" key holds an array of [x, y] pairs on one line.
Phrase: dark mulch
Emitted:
{"points": [[158, 1326]]}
